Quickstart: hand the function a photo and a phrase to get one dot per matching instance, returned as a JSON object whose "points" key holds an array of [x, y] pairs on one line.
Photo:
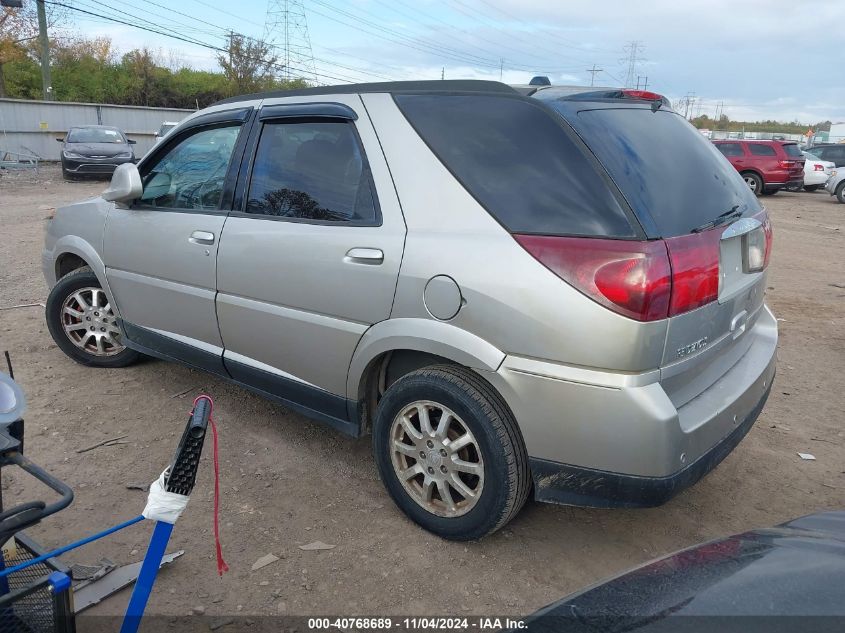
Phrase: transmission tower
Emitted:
{"points": [[633, 57], [286, 28]]}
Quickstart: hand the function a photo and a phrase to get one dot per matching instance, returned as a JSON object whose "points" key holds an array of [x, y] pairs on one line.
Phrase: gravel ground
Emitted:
{"points": [[287, 482]]}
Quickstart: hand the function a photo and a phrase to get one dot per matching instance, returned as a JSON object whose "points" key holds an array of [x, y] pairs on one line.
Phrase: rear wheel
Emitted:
{"points": [[811, 187], [754, 182], [840, 192], [449, 453], [82, 322]]}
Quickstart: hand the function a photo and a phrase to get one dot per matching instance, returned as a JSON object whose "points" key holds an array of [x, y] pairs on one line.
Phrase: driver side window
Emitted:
{"points": [[191, 174]]}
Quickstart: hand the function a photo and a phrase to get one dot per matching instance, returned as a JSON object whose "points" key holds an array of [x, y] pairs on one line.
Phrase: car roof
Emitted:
{"points": [[436, 86], [94, 127], [755, 140]]}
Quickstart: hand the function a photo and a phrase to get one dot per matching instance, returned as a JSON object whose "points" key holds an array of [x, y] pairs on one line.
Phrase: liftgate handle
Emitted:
{"points": [[182, 472]]}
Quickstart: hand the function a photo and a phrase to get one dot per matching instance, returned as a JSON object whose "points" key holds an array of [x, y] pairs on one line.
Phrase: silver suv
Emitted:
{"points": [[557, 291]]}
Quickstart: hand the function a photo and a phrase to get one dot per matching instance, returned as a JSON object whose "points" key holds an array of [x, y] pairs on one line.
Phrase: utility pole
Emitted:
{"points": [[443, 73], [501, 67], [593, 72], [44, 42]]}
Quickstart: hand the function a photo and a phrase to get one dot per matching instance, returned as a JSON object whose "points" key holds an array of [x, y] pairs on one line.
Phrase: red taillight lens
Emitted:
{"points": [[642, 94], [631, 278], [695, 270], [818, 167]]}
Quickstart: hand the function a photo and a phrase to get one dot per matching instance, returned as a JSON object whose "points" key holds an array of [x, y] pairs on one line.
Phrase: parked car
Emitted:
{"points": [[778, 580], [476, 278], [766, 166], [835, 184], [94, 150], [166, 126], [816, 171], [833, 152]]}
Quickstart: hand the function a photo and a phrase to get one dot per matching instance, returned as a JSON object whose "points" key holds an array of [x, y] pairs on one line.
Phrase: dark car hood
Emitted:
{"points": [[97, 149], [794, 569]]}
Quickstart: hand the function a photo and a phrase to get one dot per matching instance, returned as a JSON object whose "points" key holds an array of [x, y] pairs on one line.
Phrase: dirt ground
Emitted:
{"points": [[287, 481]]}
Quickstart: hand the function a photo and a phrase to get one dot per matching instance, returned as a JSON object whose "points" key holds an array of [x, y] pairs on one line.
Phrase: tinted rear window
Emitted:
{"points": [[792, 150], [730, 149], [667, 171], [761, 150], [519, 163]]}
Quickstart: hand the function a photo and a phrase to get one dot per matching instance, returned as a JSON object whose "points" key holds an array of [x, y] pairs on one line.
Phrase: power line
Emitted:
{"points": [[183, 39]]}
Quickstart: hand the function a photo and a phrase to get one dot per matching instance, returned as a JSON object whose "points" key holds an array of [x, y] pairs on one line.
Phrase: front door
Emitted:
{"points": [[160, 254], [311, 257]]}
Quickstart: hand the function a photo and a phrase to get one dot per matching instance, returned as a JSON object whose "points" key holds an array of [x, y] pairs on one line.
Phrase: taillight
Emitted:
{"points": [[695, 270], [642, 94], [646, 281], [784, 164], [818, 167], [631, 278]]}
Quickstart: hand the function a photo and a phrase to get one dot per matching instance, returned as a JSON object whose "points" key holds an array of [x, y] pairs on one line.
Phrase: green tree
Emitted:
{"points": [[248, 65]]}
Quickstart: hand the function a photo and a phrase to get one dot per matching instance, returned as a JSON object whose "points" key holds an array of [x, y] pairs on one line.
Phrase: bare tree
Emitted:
{"points": [[248, 64]]}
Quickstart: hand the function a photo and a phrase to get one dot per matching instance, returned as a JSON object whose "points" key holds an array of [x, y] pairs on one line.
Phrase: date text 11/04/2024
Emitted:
{"points": [[416, 623]]}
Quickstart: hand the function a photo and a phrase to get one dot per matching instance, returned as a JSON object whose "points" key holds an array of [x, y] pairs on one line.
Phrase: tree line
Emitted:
{"points": [[704, 122], [90, 69]]}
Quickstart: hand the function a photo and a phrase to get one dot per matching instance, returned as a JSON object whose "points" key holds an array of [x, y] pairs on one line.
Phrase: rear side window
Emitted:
{"points": [[757, 149], [668, 172], [519, 163], [792, 150], [311, 171], [730, 149]]}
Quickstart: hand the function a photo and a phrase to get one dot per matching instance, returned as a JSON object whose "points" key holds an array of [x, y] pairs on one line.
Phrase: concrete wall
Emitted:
{"points": [[31, 127]]}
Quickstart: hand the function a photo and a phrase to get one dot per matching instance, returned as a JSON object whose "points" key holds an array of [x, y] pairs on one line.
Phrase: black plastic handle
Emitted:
{"points": [[27, 514], [182, 473]]}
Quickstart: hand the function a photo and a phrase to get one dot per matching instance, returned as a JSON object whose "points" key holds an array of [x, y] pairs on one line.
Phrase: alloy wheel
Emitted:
{"points": [[89, 322], [437, 459]]}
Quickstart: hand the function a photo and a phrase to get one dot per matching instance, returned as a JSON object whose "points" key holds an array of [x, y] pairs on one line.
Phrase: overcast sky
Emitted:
{"points": [[762, 58]]}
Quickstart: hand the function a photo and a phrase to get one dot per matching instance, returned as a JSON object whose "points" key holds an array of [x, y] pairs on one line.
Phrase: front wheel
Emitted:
{"points": [[450, 453], [82, 322]]}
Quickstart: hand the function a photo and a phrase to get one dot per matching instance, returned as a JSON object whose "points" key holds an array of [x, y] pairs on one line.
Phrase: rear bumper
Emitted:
{"points": [[574, 485], [613, 439], [788, 182]]}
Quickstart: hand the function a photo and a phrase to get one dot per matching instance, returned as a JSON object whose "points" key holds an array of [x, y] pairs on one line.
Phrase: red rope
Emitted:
{"points": [[221, 564]]}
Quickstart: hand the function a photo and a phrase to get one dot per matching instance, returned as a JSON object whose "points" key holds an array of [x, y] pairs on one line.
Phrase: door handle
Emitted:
{"points": [[201, 237], [370, 256]]}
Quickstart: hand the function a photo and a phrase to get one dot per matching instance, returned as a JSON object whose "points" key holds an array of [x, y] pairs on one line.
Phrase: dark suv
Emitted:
{"points": [[833, 152], [766, 166]]}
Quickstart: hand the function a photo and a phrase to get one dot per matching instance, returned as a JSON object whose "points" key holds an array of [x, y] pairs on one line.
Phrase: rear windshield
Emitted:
{"points": [[666, 170], [519, 163], [94, 135], [792, 150]]}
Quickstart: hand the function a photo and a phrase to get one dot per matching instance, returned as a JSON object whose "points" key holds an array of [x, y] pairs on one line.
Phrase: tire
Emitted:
{"points": [[70, 322], [495, 451], [811, 187], [840, 192], [754, 182]]}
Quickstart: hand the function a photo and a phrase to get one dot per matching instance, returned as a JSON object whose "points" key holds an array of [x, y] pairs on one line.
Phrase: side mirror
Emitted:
{"points": [[125, 185], [60, 140], [131, 141]]}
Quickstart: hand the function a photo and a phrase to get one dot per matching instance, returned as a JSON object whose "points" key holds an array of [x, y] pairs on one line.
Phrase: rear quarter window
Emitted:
{"points": [[792, 150], [730, 149], [519, 163], [762, 150]]}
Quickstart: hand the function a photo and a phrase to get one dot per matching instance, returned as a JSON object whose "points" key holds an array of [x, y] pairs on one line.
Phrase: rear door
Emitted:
{"points": [[676, 183], [763, 158], [310, 255], [160, 254]]}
